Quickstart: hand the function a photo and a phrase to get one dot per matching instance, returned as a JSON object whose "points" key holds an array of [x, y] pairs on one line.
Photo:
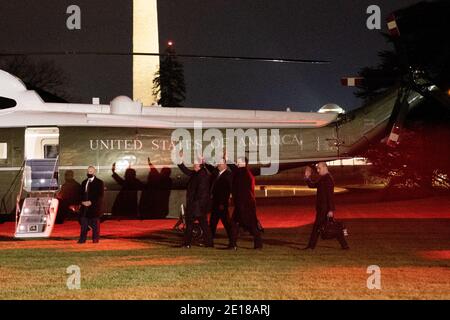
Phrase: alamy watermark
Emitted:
{"points": [[73, 22], [373, 22], [74, 279], [374, 280], [260, 146]]}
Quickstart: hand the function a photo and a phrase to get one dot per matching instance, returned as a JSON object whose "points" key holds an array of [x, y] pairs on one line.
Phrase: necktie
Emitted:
{"points": [[86, 191]]}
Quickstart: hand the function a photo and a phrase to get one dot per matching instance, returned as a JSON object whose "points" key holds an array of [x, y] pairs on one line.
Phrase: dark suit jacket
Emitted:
{"points": [[94, 194], [70, 192], [220, 187], [243, 191], [197, 192], [325, 193]]}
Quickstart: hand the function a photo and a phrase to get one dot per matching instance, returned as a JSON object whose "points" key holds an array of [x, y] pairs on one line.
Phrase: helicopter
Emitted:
{"points": [[39, 140]]}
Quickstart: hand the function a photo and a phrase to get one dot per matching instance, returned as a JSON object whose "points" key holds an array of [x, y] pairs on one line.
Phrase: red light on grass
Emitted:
{"points": [[435, 254]]}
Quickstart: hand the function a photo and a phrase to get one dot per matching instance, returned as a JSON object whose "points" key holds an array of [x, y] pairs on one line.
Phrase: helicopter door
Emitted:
{"points": [[41, 143], [41, 154], [40, 207]]}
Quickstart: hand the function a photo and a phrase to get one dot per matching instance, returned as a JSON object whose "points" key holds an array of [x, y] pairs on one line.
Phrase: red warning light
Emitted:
{"points": [[170, 43]]}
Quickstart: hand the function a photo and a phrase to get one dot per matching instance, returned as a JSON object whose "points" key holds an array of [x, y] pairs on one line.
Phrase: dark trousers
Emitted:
{"points": [[203, 221], [253, 229], [94, 224], [63, 210], [221, 215], [321, 218]]}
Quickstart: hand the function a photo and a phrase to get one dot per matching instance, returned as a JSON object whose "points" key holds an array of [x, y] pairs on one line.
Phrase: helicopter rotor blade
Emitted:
{"points": [[189, 56]]}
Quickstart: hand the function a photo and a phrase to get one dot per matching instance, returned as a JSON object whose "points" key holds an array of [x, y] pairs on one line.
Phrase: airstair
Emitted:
{"points": [[35, 217]]}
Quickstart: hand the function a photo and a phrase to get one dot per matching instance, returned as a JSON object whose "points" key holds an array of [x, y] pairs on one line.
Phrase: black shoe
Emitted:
{"points": [[346, 248], [81, 242], [258, 248], [307, 248], [186, 246], [230, 247]]}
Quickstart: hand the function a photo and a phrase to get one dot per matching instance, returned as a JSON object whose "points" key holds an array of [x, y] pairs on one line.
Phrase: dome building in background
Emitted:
{"points": [[331, 107]]}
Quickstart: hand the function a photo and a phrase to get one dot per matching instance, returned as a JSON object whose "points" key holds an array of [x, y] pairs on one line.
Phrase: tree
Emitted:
{"points": [[422, 45], [43, 76], [380, 78], [169, 83], [422, 159]]}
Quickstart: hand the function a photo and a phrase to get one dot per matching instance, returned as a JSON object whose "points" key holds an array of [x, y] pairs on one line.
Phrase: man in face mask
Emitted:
{"points": [[92, 190]]}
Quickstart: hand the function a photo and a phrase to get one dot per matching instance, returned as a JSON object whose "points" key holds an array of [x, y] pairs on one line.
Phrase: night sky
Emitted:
{"points": [[328, 30]]}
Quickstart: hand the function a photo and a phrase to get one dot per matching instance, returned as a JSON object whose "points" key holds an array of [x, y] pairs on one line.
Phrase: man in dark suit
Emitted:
{"points": [[92, 190], [324, 203], [197, 201], [244, 214], [69, 197], [220, 196]]}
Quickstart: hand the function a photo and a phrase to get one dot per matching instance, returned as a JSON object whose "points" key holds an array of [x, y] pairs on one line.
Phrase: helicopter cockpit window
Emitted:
{"points": [[6, 103]]}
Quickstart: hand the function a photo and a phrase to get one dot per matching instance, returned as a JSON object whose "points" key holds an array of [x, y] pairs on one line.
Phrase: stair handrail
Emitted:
{"points": [[11, 187], [19, 197], [54, 169]]}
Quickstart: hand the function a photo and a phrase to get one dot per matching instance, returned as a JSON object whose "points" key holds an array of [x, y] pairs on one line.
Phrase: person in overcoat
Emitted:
{"points": [[324, 203], [197, 201]]}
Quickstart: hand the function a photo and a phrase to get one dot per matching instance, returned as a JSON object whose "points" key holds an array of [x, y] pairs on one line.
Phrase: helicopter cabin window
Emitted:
{"points": [[6, 103], [3, 151], [51, 151], [42, 143]]}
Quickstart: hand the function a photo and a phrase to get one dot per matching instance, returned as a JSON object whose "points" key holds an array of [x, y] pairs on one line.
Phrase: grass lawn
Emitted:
{"points": [[409, 240]]}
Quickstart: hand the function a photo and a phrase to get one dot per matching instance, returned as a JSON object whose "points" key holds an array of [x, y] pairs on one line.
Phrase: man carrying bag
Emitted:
{"points": [[324, 207]]}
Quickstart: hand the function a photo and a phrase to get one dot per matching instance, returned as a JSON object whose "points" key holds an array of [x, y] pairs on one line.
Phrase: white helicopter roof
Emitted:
{"points": [[31, 110]]}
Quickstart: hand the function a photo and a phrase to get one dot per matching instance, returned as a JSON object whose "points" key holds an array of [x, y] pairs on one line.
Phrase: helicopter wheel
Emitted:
{"points": [[197, 232]]}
